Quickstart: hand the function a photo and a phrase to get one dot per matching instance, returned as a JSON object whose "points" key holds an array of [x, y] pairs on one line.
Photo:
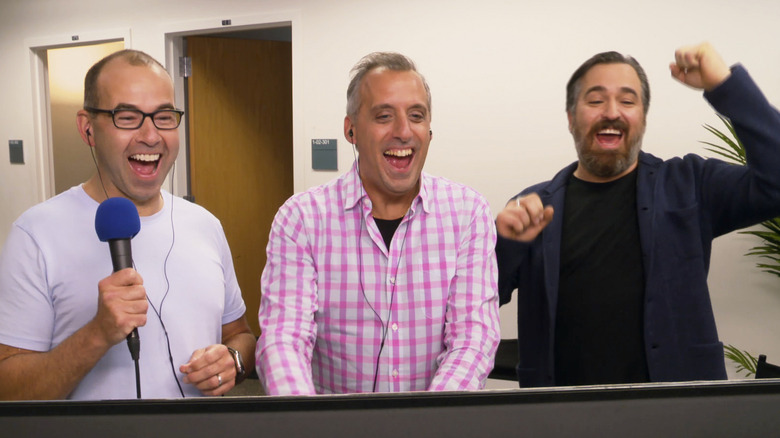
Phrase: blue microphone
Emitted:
{"points": [[116, 222]]}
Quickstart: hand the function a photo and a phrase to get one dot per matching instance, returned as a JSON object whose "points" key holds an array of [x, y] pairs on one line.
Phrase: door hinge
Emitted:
{"points": [[185, 66]]}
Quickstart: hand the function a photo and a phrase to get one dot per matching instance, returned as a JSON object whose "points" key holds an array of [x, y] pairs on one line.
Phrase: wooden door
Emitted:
{"points": [[240, 144]]}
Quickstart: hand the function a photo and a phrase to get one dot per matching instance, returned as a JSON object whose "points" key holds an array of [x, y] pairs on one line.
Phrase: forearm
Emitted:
{"points": [[471, 345], [286, 343], [464, 369], [51, 375], [510, 256], [471, 333], [283, 370], [755, 121], [287, 308], [739, 196]]}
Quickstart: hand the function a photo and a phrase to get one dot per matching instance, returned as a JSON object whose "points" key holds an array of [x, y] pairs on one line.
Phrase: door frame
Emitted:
{"points": [[175, 33], [44, 143]]}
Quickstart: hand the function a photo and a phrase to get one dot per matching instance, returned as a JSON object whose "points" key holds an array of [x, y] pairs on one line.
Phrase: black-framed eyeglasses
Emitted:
{"points": [[133, 119]]}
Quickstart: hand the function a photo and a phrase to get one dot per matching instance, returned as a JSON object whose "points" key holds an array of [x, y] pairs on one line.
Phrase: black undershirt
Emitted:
{"points": [[599, 325], [387, 228]]}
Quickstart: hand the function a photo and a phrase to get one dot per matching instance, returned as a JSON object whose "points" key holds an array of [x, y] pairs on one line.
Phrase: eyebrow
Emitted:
{"points": [[135, 107], [601, 89], [383, 106]]}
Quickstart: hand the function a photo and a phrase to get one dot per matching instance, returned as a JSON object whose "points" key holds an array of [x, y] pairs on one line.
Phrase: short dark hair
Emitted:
{"points": [[389, 60], [574, 84], [133, 57]]}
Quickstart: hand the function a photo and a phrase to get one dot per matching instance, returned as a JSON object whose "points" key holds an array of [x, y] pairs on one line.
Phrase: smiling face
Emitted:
{"points": [[608, 122], [132, 163], [391, 132]]}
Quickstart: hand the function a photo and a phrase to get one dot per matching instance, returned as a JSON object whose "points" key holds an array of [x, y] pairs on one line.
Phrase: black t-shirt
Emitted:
{"points": [[599, 324], [387, 228]]}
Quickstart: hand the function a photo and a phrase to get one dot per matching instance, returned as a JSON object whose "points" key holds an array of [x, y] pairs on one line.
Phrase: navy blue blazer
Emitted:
{"points": [[683, 203]]}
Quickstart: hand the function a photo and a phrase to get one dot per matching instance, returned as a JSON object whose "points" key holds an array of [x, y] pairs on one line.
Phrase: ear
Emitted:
{"points": [[571, 122], [349, 130], [84, 124]]}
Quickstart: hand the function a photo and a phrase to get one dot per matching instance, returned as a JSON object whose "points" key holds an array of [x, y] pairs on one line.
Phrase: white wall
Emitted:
{"points": [[497, 70]]}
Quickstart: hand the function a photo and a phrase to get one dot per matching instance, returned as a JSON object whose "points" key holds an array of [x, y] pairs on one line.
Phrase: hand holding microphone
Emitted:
{"points": [[122, 301]]}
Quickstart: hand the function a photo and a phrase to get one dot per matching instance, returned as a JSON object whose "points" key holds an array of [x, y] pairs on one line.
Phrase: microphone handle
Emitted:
{"points": [[121, 258], [121, 254]]}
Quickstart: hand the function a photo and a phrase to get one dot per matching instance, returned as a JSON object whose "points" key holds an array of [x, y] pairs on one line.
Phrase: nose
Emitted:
{"points": [[402, 129], [611, 110], [148, 133]]}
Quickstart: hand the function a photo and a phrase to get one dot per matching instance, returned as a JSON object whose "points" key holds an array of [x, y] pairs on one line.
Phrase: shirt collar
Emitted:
{"points": [[352, 191]]}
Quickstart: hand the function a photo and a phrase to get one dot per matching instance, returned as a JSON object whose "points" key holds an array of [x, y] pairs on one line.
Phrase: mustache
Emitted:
{"points": [[609, 124]]}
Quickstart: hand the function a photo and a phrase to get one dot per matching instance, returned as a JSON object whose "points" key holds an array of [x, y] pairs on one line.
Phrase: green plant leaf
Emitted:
{"points": [[733, 151], [745, 361]]}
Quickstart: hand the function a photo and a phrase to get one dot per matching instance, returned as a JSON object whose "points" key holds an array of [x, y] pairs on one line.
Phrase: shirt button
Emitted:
{"points": [[395, 373], [395, 327], [392, 280]]}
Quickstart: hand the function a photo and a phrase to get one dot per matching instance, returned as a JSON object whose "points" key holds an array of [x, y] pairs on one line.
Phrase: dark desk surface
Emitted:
{"points": [[735, 408]]}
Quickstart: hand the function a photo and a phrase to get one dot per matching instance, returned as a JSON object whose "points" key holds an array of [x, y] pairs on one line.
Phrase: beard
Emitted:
{"points": [[607, 163]]}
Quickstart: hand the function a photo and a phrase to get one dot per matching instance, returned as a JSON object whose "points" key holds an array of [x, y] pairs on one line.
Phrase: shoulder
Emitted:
{"points": [[321, 199], [189, 218], [437, 188], [547, 189], [189, 208], [687, 164], [72, 206], [445, 198]]}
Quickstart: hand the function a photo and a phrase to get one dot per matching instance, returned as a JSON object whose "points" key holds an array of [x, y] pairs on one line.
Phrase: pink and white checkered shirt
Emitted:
{"points": [[339, 308]]}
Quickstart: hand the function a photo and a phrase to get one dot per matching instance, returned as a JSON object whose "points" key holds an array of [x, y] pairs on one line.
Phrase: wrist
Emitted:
{"points": [[239, 363]]}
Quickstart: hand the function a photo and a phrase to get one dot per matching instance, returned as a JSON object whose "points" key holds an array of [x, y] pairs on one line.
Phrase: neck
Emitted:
{"points": [[581, 173], [384, 209], [100, 192]]}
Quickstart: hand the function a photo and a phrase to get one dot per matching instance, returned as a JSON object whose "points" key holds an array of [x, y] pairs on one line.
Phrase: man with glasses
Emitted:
{"points": [[63, 318]]}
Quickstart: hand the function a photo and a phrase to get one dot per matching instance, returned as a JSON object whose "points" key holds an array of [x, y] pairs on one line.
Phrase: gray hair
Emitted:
{"points": [[390, 61]]}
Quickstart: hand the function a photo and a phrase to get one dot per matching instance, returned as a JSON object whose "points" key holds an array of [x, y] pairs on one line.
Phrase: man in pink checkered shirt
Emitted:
{"points": [[384, 279]]}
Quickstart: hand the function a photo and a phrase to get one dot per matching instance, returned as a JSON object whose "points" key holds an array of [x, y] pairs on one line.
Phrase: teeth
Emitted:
{"points": [[145, 157], [609, 131], [399, 152]]}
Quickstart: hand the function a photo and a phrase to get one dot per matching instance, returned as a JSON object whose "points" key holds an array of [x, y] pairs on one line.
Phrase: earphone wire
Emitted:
{"points": [[165, 274], [385, 324], [100, 177], [134, 350], [158, 311]]}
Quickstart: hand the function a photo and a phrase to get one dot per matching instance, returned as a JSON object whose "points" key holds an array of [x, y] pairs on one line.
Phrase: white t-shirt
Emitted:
{"points": [[53, 260]]}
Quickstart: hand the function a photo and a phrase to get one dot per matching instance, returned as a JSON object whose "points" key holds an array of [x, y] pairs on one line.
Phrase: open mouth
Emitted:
{"points": [[609, 138], [399, 158], [144, 164]]}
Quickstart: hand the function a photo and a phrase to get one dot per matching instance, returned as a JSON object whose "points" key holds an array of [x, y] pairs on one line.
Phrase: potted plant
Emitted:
{"points": [[768, 251]]}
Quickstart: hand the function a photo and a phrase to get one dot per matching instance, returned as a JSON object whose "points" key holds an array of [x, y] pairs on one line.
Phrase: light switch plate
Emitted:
{"points": [[16, 151], [324, 154]]}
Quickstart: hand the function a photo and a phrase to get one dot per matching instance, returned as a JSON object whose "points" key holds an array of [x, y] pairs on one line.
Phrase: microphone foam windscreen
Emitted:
{"points": [[117, 218]]}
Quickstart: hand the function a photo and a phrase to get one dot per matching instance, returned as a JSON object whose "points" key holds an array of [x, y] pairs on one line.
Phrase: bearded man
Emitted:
{"points": [[612, 287]]}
